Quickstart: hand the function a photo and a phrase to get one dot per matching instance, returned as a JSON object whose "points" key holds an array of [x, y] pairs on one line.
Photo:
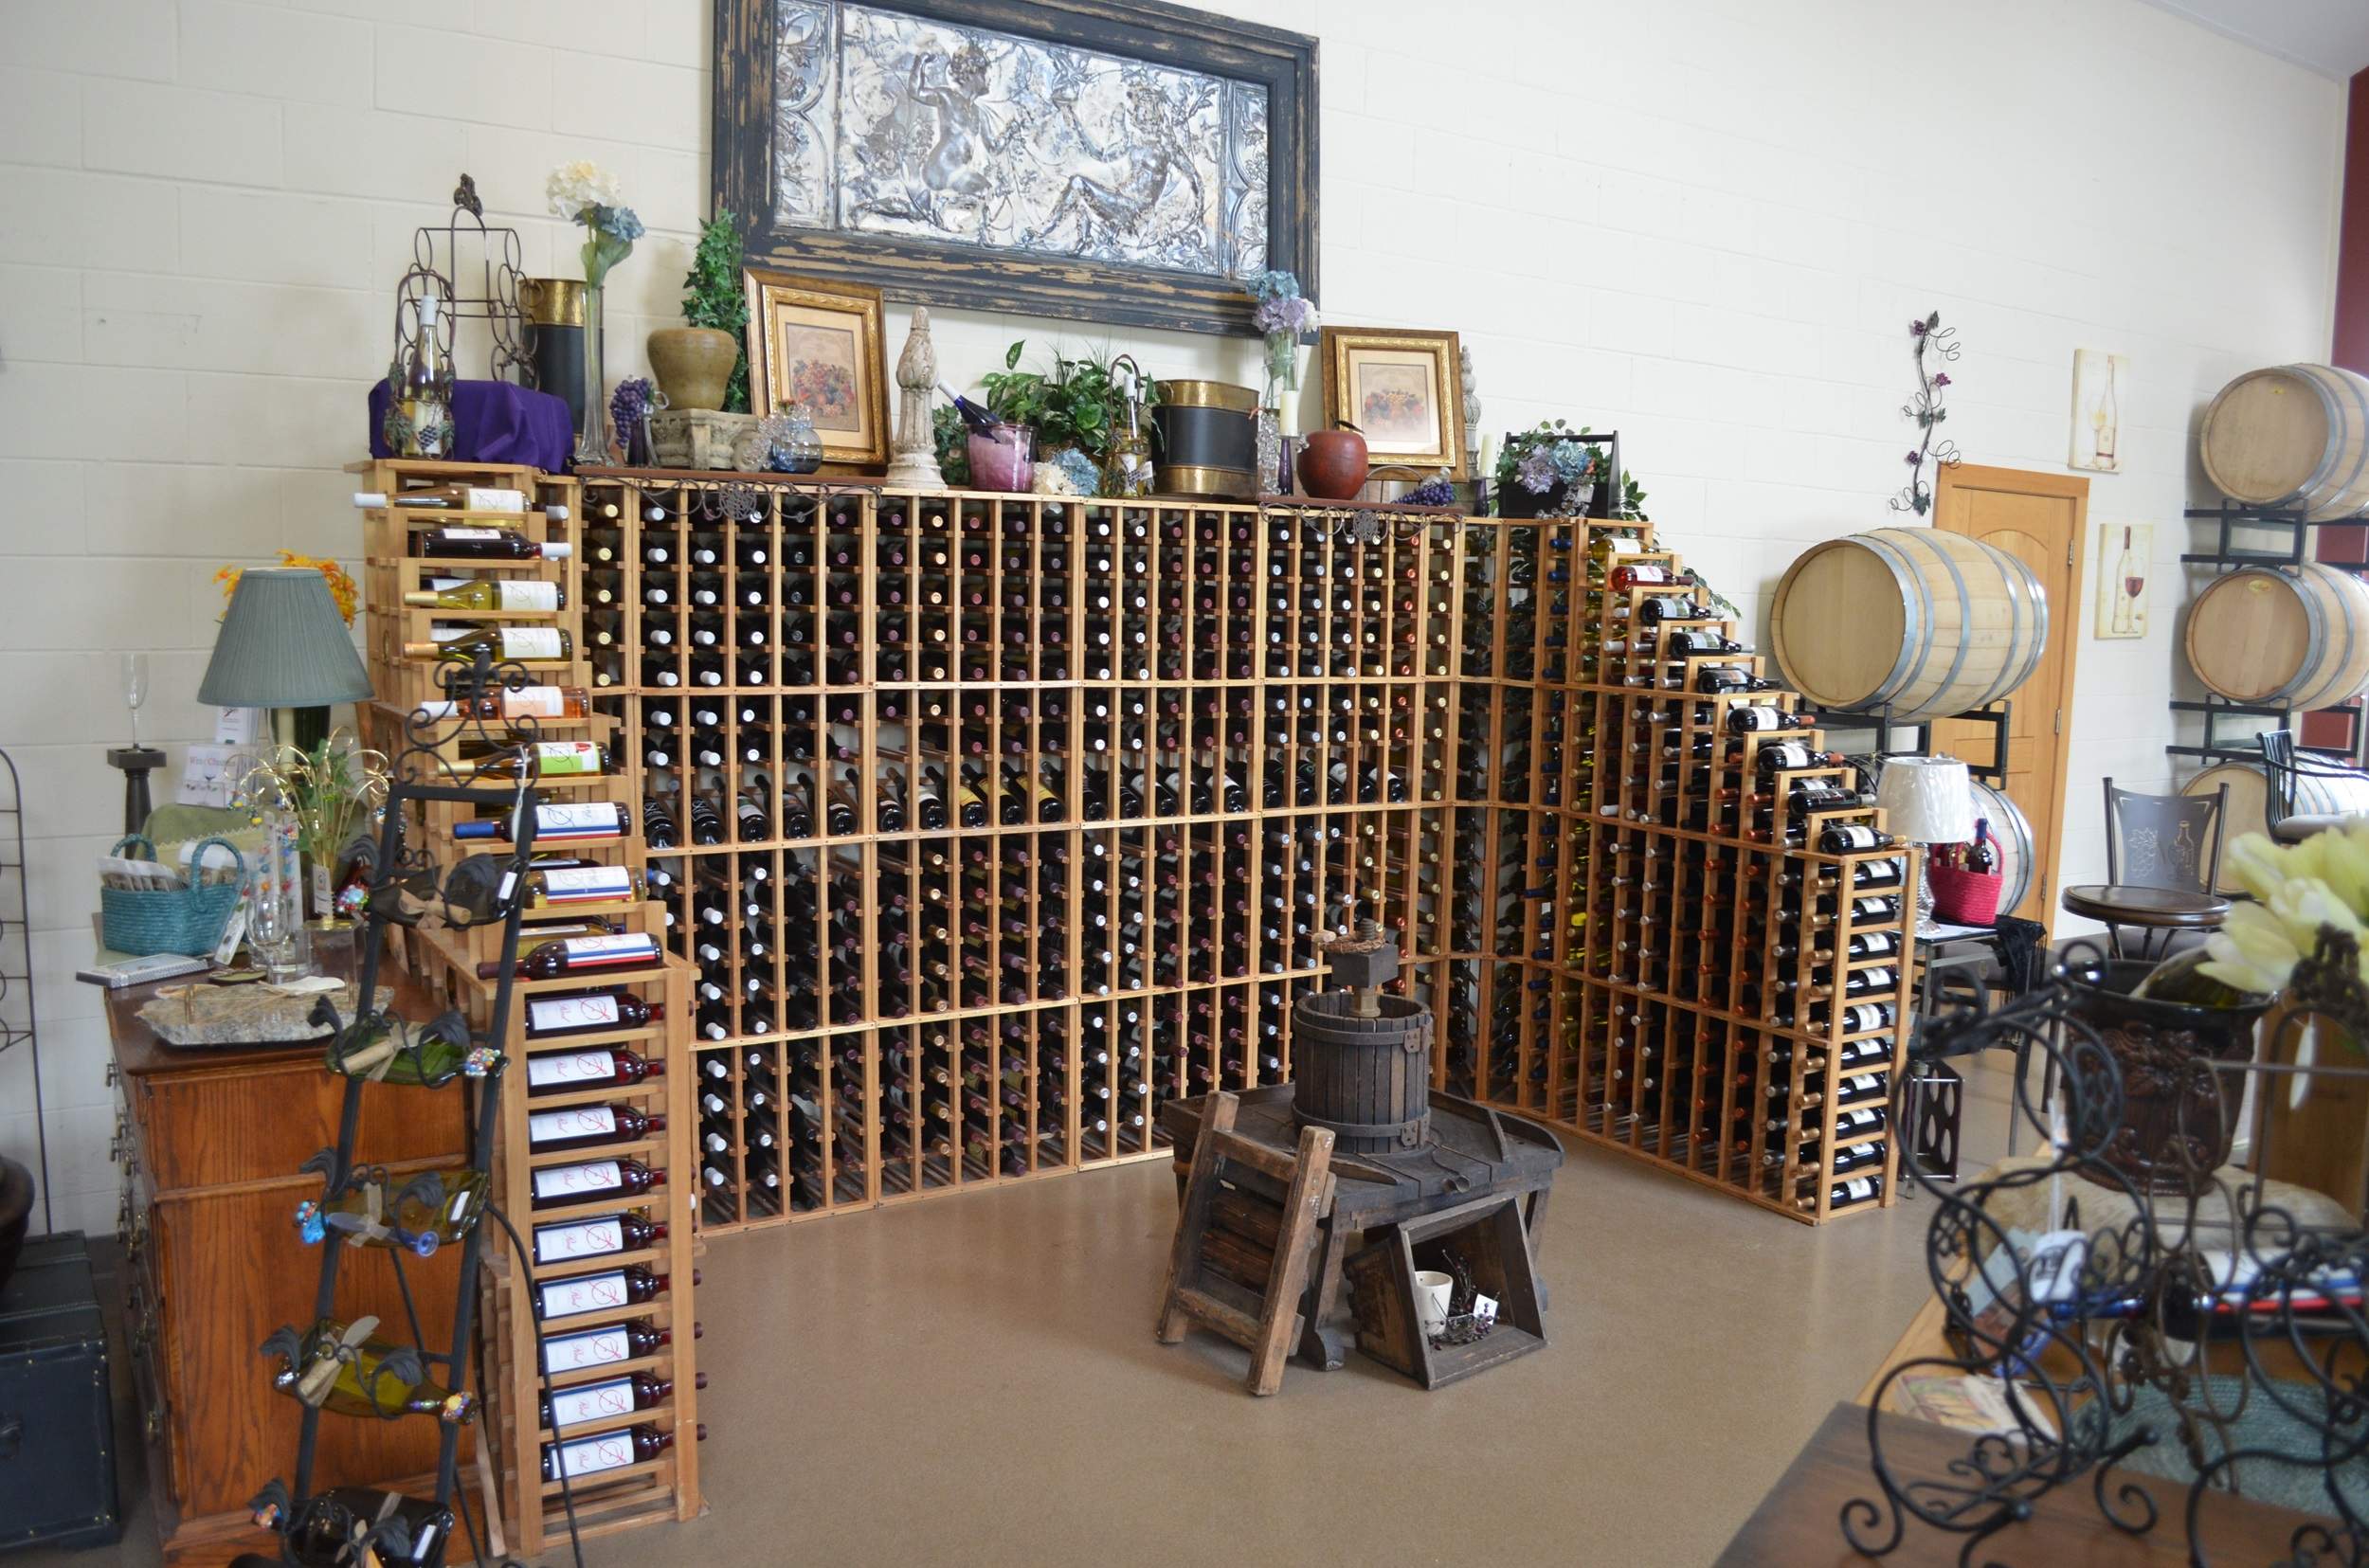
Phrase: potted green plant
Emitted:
{"points": [[1079, 406], [702, 366]]}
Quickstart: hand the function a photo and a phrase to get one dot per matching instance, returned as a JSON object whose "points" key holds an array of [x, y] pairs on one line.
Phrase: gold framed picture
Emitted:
{"points": [[818, 341], [1401, 388]]}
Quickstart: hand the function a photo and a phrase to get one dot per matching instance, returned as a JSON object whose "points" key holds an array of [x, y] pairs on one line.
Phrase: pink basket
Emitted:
{"points": [[1966, 897]]}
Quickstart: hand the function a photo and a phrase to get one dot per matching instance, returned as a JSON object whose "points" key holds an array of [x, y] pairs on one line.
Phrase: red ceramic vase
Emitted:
{"points": [[1333, 464]]}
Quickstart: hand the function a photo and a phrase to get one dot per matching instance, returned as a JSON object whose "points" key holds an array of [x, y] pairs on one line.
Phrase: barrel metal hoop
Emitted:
{"points": [[1965, 604], [2319, 474], [2315, 651], [2357, 424], [1914, 614], [1407, 1132]]}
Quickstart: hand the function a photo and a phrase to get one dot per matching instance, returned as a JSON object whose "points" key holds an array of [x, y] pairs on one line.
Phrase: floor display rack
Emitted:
{"points": [[593, 1157], [989, 822]]}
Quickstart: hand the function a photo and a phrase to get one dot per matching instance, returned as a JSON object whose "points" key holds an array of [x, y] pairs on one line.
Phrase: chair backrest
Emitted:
{"points": [[2278, 765], [2163, 841]]}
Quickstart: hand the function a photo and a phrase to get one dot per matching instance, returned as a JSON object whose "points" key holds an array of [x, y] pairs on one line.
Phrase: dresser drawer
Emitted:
{"points": [[216, 1129]]}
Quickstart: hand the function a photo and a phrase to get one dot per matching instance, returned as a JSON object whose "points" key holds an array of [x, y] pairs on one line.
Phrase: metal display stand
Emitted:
{"points": [[17, 1021]]}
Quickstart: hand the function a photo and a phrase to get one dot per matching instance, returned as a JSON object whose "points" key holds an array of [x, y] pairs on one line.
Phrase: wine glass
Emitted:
{"points": [[135, 691]]}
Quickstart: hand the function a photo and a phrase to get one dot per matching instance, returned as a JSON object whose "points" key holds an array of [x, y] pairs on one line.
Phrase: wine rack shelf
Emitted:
{"points": [[611, 1269], [988, 822]]}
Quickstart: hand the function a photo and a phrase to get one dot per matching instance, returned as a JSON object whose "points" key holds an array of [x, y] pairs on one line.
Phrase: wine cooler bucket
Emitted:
{"points": [[1913, 620], [2295, 638], [2291, 436], [1365, 1080]]}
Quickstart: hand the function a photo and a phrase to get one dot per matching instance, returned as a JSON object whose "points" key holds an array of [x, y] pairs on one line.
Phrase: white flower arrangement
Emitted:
{"points": [[585, 192], [2298, 889], [573, 187]]}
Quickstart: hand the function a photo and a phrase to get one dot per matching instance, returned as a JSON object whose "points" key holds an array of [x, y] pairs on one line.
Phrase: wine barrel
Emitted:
{"points": [[1924, 622], [2316, 795], [2010, 831], [2298, 638], [2291, 436], [1368, 1080]]}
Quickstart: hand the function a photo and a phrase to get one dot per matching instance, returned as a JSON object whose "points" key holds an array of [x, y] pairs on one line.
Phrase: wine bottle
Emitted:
{"points": [[493, 595], [576, 955], [606, 1401], [592, 1347], [573, 1240], [556, 887], [389, 1051], [2180, 979], [522, 702], [427, 1211], [539, 759], [339, 1367], [585, 1126], [972, 415], [455, 497], [590, 1013], [579, 1457], [483, 544], [591, 1180], [503, 644], [579, 1293], [1981, 858]]}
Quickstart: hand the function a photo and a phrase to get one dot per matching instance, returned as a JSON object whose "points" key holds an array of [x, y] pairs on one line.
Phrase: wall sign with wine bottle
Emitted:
{"points": [[591, 1392]]}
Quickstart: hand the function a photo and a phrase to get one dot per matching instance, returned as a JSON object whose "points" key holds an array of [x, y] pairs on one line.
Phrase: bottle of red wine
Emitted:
{"points": [[555, 1186], [578, 955], [589, 1127], [569, 819], [589, 1013], [591, 1347], [580, 1457], [603, 1400], [580, 1293], [1981, 858], [574, 1239]]}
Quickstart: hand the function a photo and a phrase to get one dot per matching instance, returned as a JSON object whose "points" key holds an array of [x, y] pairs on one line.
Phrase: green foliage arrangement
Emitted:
{"points": [[953, 444], [1078, 402], [712, 297]]}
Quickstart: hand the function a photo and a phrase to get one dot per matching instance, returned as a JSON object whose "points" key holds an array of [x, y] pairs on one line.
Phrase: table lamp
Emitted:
{"points": [[1926, 800], [283, 646]]}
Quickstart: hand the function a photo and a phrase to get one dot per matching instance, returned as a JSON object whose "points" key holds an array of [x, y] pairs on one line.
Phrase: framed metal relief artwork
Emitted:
{"points": [[819, 342], [1109, 160]]}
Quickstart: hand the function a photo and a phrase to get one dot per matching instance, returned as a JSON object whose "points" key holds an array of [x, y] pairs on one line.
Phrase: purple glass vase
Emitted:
{"points": [[1003, 459]]}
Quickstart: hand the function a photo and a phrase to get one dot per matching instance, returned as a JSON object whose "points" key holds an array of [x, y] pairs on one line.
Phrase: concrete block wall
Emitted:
{"points": [[1705, 223]]}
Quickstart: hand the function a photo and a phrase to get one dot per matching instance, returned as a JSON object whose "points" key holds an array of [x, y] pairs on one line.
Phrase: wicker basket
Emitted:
{"points": [[1966, 897], [189, 922]]}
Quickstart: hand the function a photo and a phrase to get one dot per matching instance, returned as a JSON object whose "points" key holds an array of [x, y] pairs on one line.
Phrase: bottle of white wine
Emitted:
{"points": [[505, 644], [490, 595], [339, 1367]]}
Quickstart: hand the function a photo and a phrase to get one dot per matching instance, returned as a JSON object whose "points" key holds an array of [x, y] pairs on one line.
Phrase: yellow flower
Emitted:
{"points": [[341, 588]]}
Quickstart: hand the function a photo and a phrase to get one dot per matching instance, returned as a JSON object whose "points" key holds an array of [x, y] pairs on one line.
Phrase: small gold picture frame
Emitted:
{"points": [[1403, 389], [819, 341]]}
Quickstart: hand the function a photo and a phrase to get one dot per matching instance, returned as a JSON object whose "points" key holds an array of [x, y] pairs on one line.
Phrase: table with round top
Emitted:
{"points": [[2153, 910]]}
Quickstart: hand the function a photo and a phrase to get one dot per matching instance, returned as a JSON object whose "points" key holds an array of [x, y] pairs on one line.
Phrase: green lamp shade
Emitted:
{"points": [[283, 646]]}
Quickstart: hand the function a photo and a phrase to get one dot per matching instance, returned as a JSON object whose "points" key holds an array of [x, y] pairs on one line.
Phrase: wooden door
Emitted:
{"points": [[2040, 520]]}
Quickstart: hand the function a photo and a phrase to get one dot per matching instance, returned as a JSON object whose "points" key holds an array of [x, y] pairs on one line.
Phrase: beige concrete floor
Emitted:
{"points": [[973, 1381]]}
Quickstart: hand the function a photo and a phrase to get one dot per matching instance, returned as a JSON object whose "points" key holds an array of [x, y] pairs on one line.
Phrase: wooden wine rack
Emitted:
{"points": [[644, 1491]]}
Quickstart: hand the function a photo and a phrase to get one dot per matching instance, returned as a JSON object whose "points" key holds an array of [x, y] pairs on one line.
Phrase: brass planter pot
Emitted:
{"points": [[1207, 439]]}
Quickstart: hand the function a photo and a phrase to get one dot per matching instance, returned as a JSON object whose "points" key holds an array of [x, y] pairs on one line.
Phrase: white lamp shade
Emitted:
{"points": [[1926, 799]]}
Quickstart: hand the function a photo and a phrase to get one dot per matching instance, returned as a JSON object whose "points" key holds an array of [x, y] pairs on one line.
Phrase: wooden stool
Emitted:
{"points": [[1240, 1257]]}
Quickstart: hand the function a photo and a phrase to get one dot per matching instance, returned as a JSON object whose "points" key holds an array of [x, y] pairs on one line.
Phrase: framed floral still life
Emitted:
{"points": [[1402, 391], [819, 342]]}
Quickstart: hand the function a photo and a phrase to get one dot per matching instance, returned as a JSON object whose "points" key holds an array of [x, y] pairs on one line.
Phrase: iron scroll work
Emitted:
{"points": [[2214, 1263], [1122, 161]]}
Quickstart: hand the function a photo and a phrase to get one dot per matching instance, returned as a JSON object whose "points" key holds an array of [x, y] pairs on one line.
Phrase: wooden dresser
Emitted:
{"points": [[211, 1144]]}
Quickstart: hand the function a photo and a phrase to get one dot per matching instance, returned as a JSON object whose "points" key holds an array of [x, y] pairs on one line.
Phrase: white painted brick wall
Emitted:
{"points": [[1705, 222]]}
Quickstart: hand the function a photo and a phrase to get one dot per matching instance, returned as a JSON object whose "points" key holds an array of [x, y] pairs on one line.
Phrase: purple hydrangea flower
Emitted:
{"points": [[1537, 472]]}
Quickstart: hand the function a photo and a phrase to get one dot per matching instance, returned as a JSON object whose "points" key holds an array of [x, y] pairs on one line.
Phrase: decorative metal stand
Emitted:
{"points": [[349, 1528], [2151, 1295], [17, 1021], [439, 252]]}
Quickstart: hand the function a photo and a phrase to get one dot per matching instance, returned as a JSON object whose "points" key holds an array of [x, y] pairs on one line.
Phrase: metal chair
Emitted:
{"points": [[2285, 768], [2171, 842]]}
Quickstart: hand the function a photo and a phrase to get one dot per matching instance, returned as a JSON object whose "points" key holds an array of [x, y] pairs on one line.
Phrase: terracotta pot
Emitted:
{"points": [[1333, 464], [693, 364]]}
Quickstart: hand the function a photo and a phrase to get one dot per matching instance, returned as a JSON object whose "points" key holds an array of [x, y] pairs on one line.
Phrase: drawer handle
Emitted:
{"points": [[153, 1425]]}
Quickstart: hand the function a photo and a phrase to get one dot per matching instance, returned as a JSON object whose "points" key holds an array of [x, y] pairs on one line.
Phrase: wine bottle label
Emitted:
{"points": [[565, 759], [572, 1407], [531, 643], [1853, 1191], [592, 1179], [590, 1455], [594, 952], [475, 536], [522, 594], [564, 1298], [552, 1126], [533, 702], [587, 884], [578, 819], [602, 1347], [584, 1238], [557, 1014]]}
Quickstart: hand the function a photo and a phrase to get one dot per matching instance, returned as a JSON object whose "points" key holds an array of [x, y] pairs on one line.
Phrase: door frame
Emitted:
{"points": [[2064, 621]]}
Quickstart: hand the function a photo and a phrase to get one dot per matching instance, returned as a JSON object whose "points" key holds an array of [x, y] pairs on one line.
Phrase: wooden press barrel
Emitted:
{"points": [[1368, 1080], [2291, 436], [1924, 622], [2298, 637], [2010, 831]]}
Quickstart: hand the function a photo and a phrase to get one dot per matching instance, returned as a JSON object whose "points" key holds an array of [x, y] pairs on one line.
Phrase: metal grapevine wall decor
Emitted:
{"points": [[1940, 344], [1107, 160]]}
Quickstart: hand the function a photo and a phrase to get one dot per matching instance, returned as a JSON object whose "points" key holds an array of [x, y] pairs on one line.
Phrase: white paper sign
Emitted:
{"points": [[207, 774]]}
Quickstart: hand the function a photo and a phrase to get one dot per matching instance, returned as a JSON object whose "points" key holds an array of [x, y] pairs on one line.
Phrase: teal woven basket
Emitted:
{"points": [[189, 922]]}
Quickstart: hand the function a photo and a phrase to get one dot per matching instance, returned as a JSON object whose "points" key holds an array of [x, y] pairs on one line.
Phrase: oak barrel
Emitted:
{"points": [[1921, 621], [2298, 638], [2316, 795], [1367, 1080], [2011, 832], [2291, 436]]}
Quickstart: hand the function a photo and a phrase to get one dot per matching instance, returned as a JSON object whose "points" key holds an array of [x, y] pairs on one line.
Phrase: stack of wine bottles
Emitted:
{"points": [[592, 1160], [991, 822], [1674, 921]]}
